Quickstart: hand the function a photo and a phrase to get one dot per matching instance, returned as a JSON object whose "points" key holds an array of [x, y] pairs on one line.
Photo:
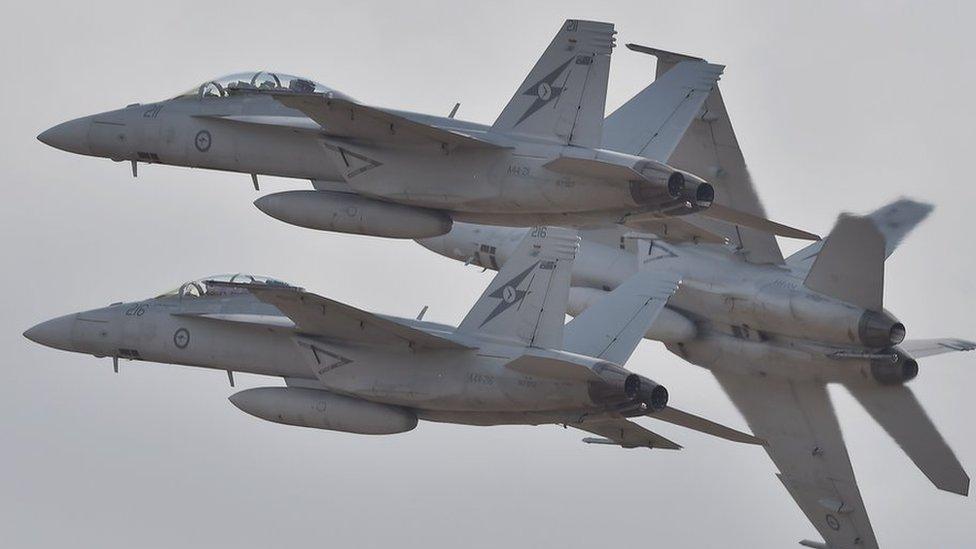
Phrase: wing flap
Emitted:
{"points": [[921, 348]]}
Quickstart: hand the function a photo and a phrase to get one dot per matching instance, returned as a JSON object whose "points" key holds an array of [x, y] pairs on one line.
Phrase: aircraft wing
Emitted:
{"points": [[344, 118], [625, 433], [321, 316], [804, 440]]}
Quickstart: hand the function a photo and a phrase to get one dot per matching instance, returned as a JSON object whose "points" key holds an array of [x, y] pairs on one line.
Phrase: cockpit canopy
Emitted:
{"points": [[253, 82], [203, 287]]}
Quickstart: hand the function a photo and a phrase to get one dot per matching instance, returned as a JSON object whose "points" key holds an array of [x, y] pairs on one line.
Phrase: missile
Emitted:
{"points": [[323, 410], [354, 214]]}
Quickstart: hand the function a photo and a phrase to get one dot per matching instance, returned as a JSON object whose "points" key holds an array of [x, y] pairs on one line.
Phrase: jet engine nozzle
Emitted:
{"points": [[704, 195], [643, 390], [894, 372], [676, 184], [880, 329]]}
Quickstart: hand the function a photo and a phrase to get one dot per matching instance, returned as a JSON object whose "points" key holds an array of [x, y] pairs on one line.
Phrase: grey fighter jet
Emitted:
{"points": [[349, 370], [774, 332], [399, 174]]}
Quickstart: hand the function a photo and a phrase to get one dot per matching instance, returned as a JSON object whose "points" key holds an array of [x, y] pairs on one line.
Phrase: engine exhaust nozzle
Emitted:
{"points": [[880, 329], [646, 391]]}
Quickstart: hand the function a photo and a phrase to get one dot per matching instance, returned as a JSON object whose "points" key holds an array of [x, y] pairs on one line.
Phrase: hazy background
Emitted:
{"points": [[842, 106]]}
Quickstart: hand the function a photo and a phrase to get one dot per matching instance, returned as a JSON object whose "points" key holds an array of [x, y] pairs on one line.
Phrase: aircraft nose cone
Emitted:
{"points": [[70, 136], [54, 333]]}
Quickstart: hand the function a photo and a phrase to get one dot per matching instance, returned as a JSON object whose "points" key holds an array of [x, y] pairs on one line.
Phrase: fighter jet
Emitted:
{"points": [[400, 174], [345, 369], [774, 332]]}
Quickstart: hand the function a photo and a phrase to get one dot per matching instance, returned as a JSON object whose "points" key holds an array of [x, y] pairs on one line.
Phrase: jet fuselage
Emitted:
{"points": [[235, 332], [762, 314]]}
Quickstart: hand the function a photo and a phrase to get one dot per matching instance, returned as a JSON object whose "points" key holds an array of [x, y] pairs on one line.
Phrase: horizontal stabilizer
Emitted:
{"points": [[674, 229], [901, 415], [702, 425], [624, 433], [850, 266], [736, 217], [921, 348]]}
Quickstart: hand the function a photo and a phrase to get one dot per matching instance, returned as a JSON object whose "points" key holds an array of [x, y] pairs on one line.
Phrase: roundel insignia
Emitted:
{"points": [[509, 295], [181, 338], [544, 91], [832, 522], [202, 141]]}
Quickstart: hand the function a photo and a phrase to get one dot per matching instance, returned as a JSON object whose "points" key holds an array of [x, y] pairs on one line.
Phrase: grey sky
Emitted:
{"points": [[841, 106]]}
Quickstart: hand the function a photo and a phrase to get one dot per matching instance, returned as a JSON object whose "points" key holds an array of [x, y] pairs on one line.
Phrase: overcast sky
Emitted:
{"points": [[842, 106]]}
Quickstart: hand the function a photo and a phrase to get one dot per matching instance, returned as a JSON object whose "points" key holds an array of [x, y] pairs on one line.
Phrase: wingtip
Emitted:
{"points": [[961, 488]]}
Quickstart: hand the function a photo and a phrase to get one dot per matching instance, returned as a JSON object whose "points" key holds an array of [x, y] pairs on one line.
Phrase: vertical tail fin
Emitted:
{"points": [[850, 265], [653, 122], [612, 327], [894, 221], [564, 96], [527, 299], [710, 149]]}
